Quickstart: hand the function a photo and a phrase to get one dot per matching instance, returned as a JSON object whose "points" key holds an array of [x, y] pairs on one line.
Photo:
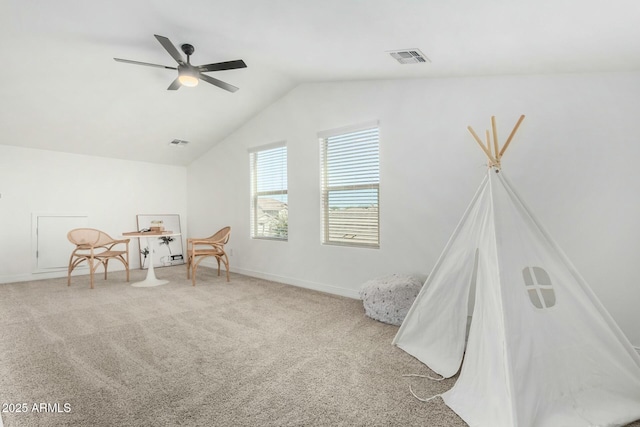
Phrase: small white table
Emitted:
{"points": [[151, 279]]}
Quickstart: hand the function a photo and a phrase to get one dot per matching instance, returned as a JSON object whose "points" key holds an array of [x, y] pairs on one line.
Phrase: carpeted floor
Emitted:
{"points": [[245, 353]]}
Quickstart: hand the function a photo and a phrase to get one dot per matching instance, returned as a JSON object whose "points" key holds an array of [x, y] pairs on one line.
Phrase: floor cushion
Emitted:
{"points": [[389, 298]]}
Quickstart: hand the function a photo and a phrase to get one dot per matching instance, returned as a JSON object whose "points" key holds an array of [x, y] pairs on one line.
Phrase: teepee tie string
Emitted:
{"points": [[422, 399]]}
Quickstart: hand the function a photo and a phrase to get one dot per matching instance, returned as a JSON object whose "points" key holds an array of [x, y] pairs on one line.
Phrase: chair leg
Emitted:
{"points": [[226, 264], [73, 263], [91, 270], [126, 261], [195, 262], [194, 266], [126, 266], [69, 270]]}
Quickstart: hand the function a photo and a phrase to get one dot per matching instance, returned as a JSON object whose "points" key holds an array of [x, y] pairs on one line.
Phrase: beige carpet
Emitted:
{"points": [[245, 353], [249, 352]]}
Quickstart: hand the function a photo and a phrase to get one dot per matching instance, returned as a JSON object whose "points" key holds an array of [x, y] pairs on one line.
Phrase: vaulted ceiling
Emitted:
{"points": [[61, 89]]}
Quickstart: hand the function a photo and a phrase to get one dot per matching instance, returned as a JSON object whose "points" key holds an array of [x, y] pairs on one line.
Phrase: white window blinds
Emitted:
{"points": [[269, 198], [350, 178]]}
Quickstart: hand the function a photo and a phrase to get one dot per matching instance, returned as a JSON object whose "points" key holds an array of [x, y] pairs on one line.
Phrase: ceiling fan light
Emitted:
{"points": [[188, 80]]}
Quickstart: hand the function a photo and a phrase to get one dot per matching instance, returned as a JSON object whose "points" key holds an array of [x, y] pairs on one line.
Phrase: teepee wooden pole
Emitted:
{"points": [[488, 142], [495, 137], [513, 132], [481, 144], [493, 160]]}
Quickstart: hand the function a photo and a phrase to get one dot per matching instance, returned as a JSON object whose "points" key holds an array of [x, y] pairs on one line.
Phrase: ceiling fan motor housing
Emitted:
{"points": [[188, 49]]}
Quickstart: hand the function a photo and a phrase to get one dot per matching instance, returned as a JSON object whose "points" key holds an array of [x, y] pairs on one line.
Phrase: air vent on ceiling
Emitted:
{"points": [[409, 56], [178, 143]]}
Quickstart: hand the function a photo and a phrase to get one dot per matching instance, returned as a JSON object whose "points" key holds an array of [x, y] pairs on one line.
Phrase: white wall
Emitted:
{"points": [[111, 192], [574, 161]]}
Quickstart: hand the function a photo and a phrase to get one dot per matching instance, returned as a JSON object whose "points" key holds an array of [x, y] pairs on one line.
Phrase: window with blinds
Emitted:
{"points": [[269, 211], [350, 178]]}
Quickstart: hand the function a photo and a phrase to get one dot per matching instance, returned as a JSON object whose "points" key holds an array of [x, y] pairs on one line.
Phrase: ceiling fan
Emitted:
{"points": [[189, 75]]}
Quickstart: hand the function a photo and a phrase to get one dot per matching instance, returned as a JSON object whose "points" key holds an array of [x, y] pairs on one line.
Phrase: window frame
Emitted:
{"points": [[255, 194], [326, 189]]}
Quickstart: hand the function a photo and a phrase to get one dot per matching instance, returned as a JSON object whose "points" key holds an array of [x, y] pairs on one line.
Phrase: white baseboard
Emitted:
{"points": [[53, 274], [27, 277], [330, 289]]}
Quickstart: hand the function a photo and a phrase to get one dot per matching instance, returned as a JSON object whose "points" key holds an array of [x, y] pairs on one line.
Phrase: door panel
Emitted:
{"points": [[52, 246]]}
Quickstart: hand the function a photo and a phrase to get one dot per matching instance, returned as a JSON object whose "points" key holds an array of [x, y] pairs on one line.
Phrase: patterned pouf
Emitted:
{"points": [[389, 298]]}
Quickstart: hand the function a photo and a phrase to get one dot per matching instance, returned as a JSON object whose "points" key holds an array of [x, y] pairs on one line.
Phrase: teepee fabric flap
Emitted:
{"points": [[434, 330]]}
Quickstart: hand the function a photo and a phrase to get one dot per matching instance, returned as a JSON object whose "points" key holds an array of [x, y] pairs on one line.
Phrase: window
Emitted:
{"points": [[350, 177], [269, 211], [538, 285]]}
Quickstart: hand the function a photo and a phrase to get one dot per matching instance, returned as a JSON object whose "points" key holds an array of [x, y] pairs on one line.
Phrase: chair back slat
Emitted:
{"points": [[88, 237], [222, 235], [84, 236]]}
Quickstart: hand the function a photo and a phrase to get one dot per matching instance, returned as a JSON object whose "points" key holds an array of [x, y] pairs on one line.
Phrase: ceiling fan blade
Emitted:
{"points": [[175, 85], [169, 47], [128, 61], [219, 66], [219, 83]]}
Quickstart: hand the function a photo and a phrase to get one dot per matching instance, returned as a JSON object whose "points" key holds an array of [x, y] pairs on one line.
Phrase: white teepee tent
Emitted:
{"points": [[541, 349]]}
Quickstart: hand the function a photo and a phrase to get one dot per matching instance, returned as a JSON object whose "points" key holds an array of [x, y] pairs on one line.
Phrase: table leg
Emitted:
{"points": [[151, 279]]}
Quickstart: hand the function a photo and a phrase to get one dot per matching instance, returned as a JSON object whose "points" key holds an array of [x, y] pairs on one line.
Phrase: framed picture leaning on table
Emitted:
{"points": [[167, 249]]}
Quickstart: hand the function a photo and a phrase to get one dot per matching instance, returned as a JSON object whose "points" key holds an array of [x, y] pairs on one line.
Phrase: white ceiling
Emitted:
{"points": [[61, 89]]}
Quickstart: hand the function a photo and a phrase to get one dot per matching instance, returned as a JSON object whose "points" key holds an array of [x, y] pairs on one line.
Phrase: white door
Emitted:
{"points": [[52, 248]]}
